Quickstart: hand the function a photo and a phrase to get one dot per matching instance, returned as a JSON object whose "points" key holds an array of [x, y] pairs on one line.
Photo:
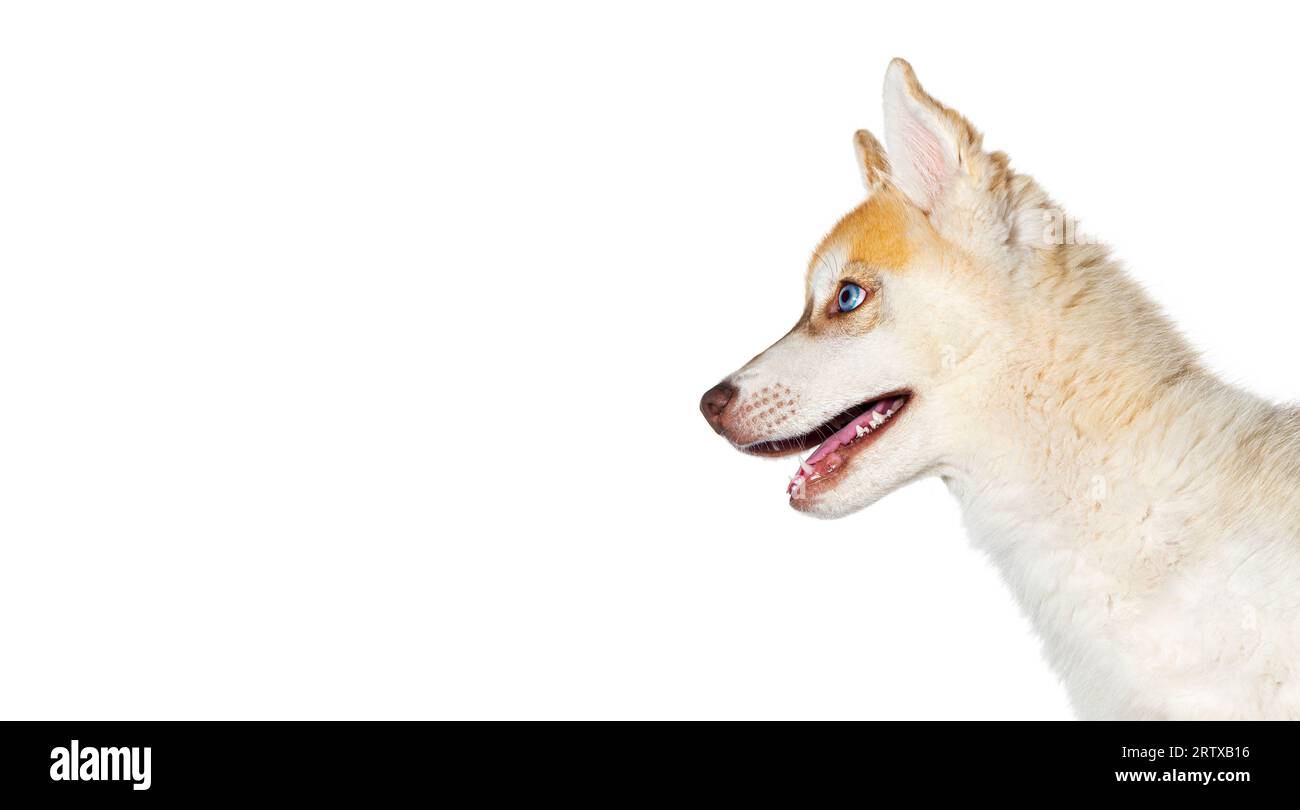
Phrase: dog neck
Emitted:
{"points": [[1097, 439]]}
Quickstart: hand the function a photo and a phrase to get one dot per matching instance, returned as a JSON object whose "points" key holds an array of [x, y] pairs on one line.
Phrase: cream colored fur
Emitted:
{"points": [[1145, 514]]}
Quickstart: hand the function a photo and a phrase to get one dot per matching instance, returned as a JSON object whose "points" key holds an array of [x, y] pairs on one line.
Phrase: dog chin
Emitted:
{"points": [[844, 499]]}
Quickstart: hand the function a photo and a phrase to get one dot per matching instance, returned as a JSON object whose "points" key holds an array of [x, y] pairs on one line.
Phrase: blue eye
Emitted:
{"points": [[851, 297]]}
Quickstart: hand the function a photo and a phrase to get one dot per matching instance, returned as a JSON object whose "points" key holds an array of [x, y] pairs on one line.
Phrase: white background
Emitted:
{"points": [[349, 355]]}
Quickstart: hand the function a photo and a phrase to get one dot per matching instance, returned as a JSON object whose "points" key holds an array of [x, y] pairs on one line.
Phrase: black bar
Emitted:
{"points": [[667, 761]]}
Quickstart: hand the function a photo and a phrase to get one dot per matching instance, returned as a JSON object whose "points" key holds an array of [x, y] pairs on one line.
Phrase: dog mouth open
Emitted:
{"points": [[841, 437]]}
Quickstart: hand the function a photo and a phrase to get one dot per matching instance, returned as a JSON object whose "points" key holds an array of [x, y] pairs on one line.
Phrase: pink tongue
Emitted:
{"points": [[824, 459]]}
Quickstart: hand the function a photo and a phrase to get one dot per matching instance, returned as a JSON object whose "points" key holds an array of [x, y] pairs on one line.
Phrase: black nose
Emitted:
{"points": [[714, 404]]}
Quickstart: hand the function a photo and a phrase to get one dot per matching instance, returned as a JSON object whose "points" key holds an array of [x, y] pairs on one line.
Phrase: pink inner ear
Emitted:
{"points": [[927, 159]]}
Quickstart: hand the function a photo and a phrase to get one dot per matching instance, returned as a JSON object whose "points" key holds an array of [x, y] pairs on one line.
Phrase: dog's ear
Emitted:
{"points": [[871, 159], [930, 146]]}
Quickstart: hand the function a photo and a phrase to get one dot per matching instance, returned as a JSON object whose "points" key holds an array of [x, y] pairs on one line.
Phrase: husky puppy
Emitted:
{"points": [[1145, 514]]}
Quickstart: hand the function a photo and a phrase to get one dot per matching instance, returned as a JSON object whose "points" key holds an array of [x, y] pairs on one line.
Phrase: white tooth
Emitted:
{"points": [[805, 467], [889, 413], [861, 430], [876, 420]]}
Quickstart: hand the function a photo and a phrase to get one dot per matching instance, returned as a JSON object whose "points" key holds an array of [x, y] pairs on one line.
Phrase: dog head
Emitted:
{"points": [[879, 373]]}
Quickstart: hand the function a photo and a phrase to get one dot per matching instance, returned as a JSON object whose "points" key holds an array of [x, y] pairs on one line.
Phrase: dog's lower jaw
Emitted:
{"points": [[903, 453]]}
